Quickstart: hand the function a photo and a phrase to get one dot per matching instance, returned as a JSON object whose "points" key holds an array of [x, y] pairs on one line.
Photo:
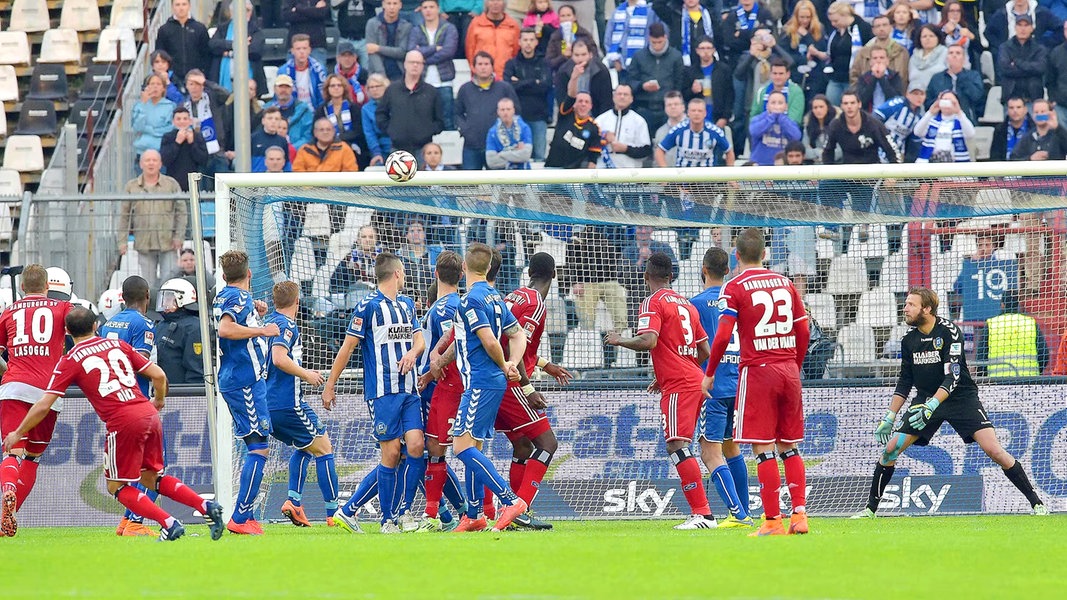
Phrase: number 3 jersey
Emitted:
{"points": [[767, 308], [33, 332], [106, 371], [675, 320]]}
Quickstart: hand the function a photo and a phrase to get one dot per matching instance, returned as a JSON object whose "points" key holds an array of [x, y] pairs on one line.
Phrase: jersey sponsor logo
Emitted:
{"points": [[939, 343], [446, 326], [643, 323], [288, 335], [721, 305], [629, 500], [149, 338], [400, 332], [472, 316], [955, 349], [928, 357], [955, 369], [357, 323]]}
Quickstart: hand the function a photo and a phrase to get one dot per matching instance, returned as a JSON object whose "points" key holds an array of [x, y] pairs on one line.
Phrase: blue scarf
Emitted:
{"points": [[745, 20], [226, 63], [632, 30], [903, 39], [871, 9], [707, 92], [346, 117], [687, 26], [770, 88], [1014, 136], [959, 144], [509, 137], [857, 43]]}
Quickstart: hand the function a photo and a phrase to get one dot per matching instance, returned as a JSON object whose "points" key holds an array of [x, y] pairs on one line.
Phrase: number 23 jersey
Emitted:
{"points": [[766, 306], [675, 320]]}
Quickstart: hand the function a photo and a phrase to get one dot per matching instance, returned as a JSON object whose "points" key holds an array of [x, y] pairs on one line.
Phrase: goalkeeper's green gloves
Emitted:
{"points": [[885, 427], [919, 414]]}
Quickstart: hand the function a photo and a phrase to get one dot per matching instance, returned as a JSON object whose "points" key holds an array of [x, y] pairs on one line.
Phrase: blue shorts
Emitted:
{"points": [[425, 396], [716, 421], [393, 415], [477, 413], [248, 407], [297, 426]]}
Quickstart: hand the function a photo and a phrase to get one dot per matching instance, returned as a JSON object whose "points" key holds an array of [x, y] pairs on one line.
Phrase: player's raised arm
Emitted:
{"points": [[232, 330], [279, 355], [344, 354], [36, 414], [641, 342]]}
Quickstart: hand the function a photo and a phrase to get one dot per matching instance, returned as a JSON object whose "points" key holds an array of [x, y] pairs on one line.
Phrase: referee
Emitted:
{"points": [[932, 361]]}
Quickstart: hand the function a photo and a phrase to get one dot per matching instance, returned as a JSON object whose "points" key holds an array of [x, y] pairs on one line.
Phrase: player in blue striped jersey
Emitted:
{"points": [[133, 327], [697, 141], [292, 421], [384, 325], [720, 454], [242, 372]]}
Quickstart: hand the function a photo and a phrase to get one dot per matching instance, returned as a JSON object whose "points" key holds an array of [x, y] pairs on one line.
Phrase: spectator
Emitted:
{"points": [[460, 13], [577, 141], [349, 67], [780, 82], [305, 71], [1044, 26], [753, 74], [592, 272], [584, 72], [419, 262], [1013, 344], [625, 133], [627, 32], [561, 42], [186, 41], [636, 253], [879, 84], [410, 111], [509, 142], [151, 116], [772, 130], [378, 144], [803, 31], [387, 39], [739, 25], [187, 266], [221, 46], [432, 155], [654, 71], [308, 17], [1022, 62], [297, 113], [282, 127], [984, 279], [160, 62], [698, 144], [529, 75], [352, 19], [494, 33], [954, 27], [342, 111], [816, 123], [712, 81], [928, 58], [1056, 77], [275, 158], [206, 104], [157, 226], [543, 20], [847, 36], [1007, 135], [265, 137], [180, 349], [589, 14], [905, 25], [965, 83], [674, 108], [1047, 140], [326, 154], [900, 115], [476, 109], [356, 272], [183, 149], [945, 132], [897, 54], [255, 108], [437, 40]]}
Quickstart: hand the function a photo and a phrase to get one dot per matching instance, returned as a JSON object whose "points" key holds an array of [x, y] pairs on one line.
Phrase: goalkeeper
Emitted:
{"points": [[933, 362]]}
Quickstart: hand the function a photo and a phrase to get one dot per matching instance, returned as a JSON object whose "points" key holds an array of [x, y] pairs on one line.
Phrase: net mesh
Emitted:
{"points": [[853, 247]]}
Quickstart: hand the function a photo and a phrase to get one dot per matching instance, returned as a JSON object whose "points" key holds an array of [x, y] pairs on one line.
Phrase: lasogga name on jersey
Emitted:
{"points": [[928, 357], [28, 350], [400, 332], [775, 343]]}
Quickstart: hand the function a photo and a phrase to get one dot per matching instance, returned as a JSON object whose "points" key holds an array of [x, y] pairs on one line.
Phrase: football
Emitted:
{"points": [[401, 165]]}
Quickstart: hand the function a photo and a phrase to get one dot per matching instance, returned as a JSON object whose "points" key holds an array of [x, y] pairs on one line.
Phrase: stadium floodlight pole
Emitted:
{"points": [[242, 144], [223, 493]]}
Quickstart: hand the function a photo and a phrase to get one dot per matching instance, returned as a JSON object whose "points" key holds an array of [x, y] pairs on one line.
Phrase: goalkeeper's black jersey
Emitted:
{"points": [[935, 360]]}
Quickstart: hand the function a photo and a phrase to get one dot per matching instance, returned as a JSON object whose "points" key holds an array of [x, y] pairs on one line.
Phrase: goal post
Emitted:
{"points": [[856, 237]]}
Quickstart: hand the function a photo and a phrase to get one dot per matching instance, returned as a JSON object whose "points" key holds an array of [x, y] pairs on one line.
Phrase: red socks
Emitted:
{"points": [[769, 483], [488, 507], [9, 473], [135, 500], [27, 478], [515, 474], [173, 488], [693, 486], [536, 466], [795, 478], [436, 475]]}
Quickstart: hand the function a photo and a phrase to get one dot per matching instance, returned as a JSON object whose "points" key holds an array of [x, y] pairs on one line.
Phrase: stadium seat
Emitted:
{"points": [[983, 141], [38, 117], [49, 82], [3, 123], [14, 48], [892, 345], [270, 73], [332, 35], [127, 13], [847, 275], [944, 269], [869, 241], [60, 46], [275, 45], [79, 116], [624, 357], [317, 221], [994, 110], [100, 83], [690, 280], [10, 183], [583, 349], [878, 308], [669, 237], [80, 15], [113, 41], [856, 345], [355, 218], [895, 273], [823, 309], [987, 69], [83, 154], [320, 284], [553, 246], [23, 153], [451, 147], [9, 84], [340, 246], [302, 265], [30, 16]]}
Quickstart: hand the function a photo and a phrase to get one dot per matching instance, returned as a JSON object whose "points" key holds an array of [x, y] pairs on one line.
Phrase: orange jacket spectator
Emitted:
{"points": [[336, 158], [1060, 366], [500, 41]]}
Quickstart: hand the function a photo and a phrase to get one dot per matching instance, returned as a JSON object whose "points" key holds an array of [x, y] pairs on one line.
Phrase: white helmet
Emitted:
{"points": [[174, 294], [59, 284], [84, 304], [111, 303]]}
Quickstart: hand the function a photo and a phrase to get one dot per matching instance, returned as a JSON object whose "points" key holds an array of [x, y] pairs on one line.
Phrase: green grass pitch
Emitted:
{"points": [[927, 557]]}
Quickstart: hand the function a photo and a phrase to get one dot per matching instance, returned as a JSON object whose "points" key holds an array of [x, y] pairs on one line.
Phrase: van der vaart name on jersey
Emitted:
{"points": [[775, 343], [400, 332]]}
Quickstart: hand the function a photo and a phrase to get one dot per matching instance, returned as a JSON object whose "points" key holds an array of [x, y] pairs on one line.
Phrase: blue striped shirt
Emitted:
{"points": [[439, 321], [283, 389], [481, 307], [695, 148], [241, 362], [387, 331]]}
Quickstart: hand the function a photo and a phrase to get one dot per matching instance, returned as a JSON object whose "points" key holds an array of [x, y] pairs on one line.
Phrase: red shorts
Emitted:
{"points": [[774, 412], [134, 447], [444, 404], [680, 410], [12, 412], [517, 420]]}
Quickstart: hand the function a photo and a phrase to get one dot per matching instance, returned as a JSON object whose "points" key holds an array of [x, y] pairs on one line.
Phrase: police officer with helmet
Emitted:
{"points": [[180, 347]]}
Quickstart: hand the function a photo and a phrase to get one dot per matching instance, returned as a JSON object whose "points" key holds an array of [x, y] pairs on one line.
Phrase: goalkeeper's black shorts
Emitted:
{"points": [[964, 413]]}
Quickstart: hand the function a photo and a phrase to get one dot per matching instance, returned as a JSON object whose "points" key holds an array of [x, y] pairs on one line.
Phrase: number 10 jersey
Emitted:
{"points": [[33, 331], [766, 307]]}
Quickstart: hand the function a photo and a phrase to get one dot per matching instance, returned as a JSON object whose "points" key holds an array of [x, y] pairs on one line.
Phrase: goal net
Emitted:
{"points": [[854, 239]]}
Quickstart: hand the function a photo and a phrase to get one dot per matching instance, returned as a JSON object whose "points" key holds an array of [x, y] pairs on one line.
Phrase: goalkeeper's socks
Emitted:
{"points": [[387, 491], [454, 490], [1017, 476], [692, 481], [251, 479], [795, 478], [138, 503], [533, 474], [723, 481], [739, 472], [9, 473], [365, 491], [173, 488], [298, 474], [769, 484], [436, 476], [515, 473], [326, 472], [882, 475], [475, 461], [414, 473], [27, 478]]}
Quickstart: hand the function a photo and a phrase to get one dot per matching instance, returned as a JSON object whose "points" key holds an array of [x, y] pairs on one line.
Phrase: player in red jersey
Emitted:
{"points": [[31, 329], [669, 328], [106, 371], [773, 329]]}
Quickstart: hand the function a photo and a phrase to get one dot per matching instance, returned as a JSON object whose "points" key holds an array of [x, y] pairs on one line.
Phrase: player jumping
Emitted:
{"points": [[773, 330], [105, 370], [933, 362], [669, 328]]}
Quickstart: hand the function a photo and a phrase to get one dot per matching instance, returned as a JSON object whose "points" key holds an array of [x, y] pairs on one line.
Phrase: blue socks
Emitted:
{"points": [[414, 473], [326, 471], [739, 471], [724, 484], [368, 488], [480, 469], [251, 479], [453, 491], [298, 472], [387, 491]]}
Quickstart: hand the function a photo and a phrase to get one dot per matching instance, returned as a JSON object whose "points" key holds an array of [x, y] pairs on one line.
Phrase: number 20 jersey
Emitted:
{"points": [[33, 331], [766, 306], [676, 322]]}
